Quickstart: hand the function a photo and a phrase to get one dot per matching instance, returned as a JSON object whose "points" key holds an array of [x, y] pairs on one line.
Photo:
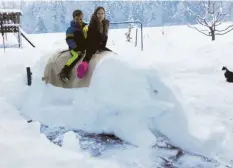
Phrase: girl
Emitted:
{"points": [[97, 37]]}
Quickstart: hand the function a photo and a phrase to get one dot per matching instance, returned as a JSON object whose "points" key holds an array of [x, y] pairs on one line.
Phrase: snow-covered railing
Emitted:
{"points": [[135, 22], [11, 11]]}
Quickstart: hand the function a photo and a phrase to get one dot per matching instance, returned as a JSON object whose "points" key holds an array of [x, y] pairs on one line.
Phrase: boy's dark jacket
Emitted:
{"points": [[75, 37]]}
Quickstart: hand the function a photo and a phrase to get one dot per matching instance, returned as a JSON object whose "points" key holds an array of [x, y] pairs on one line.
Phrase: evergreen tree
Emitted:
{"points": [[61, 19], [40, 26]]}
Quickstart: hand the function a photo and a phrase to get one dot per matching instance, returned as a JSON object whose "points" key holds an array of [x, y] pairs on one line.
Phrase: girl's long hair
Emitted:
{"points": [[101, 26]]}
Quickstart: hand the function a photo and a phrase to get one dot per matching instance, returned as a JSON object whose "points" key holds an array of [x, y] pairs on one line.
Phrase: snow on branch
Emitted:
{"points": [[199, 19]]}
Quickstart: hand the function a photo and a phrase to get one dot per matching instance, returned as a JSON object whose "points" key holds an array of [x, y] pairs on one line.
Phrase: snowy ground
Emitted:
{"points": [[192, 107]]}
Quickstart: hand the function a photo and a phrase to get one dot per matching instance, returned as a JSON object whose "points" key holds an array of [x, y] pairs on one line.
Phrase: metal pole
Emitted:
{"points": [[2, 29], [29, 76], [141, 38], [136, 38], [133, 22], [19, 38]]}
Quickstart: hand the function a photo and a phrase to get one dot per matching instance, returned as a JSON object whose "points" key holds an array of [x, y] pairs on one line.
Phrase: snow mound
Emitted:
{"points": [[17, 136], [123, 99]]}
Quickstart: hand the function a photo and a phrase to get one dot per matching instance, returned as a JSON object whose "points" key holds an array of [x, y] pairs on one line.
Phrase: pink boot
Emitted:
{"points": [[82, 69]]}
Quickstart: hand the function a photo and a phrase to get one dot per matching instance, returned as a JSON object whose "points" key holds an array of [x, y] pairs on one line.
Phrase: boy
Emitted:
{"points": [[76, 36]]}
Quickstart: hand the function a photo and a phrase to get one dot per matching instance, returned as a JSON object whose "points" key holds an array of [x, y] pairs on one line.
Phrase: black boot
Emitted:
{"points": [[64, 74]]}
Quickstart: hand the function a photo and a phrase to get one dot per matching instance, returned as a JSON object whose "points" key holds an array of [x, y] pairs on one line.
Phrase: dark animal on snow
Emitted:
{"points": [[228, 74]]}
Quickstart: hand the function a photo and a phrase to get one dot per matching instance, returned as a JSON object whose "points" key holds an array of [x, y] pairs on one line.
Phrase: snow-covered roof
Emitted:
{"points": [[11, 11]]}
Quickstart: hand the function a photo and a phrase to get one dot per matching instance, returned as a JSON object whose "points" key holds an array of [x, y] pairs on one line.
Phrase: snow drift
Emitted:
{"points": [[194, 67], [123, 99], [17, 136]]}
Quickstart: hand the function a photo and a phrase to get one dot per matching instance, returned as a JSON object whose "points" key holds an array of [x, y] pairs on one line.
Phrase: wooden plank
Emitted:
{"points": [[9, 29]]}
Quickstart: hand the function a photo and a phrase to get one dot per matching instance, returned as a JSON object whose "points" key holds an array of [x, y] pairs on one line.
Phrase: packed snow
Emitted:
{"points": [[174, 87]]}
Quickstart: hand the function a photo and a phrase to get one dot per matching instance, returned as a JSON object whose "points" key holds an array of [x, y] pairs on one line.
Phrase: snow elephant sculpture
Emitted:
{"points": [[59, 59]]}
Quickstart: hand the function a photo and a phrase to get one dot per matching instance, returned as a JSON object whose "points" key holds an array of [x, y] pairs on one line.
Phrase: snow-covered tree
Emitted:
{"points": [[56, 15], [210, 18], [96, 3], [40, 25], [180, 13], [2, 5], [61, 13]]}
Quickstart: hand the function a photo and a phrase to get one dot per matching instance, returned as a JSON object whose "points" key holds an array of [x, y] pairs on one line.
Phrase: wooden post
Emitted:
{"points": [[29, 76], [19, 31], [136, 38], [17, 20], [19, 39]]}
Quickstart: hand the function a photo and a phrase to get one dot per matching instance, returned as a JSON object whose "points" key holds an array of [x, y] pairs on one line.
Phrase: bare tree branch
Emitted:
{"points": [[202, 22], [224, 32], [199, 30], [229, 10], [217, 7], [197, 16], [206, 8], [225, 29], [223, 15], [213, 6], [219, 23]]}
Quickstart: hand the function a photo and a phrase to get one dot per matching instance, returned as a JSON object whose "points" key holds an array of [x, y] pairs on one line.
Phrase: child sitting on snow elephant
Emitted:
{"points": [[76, 36], [97, 37]]}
